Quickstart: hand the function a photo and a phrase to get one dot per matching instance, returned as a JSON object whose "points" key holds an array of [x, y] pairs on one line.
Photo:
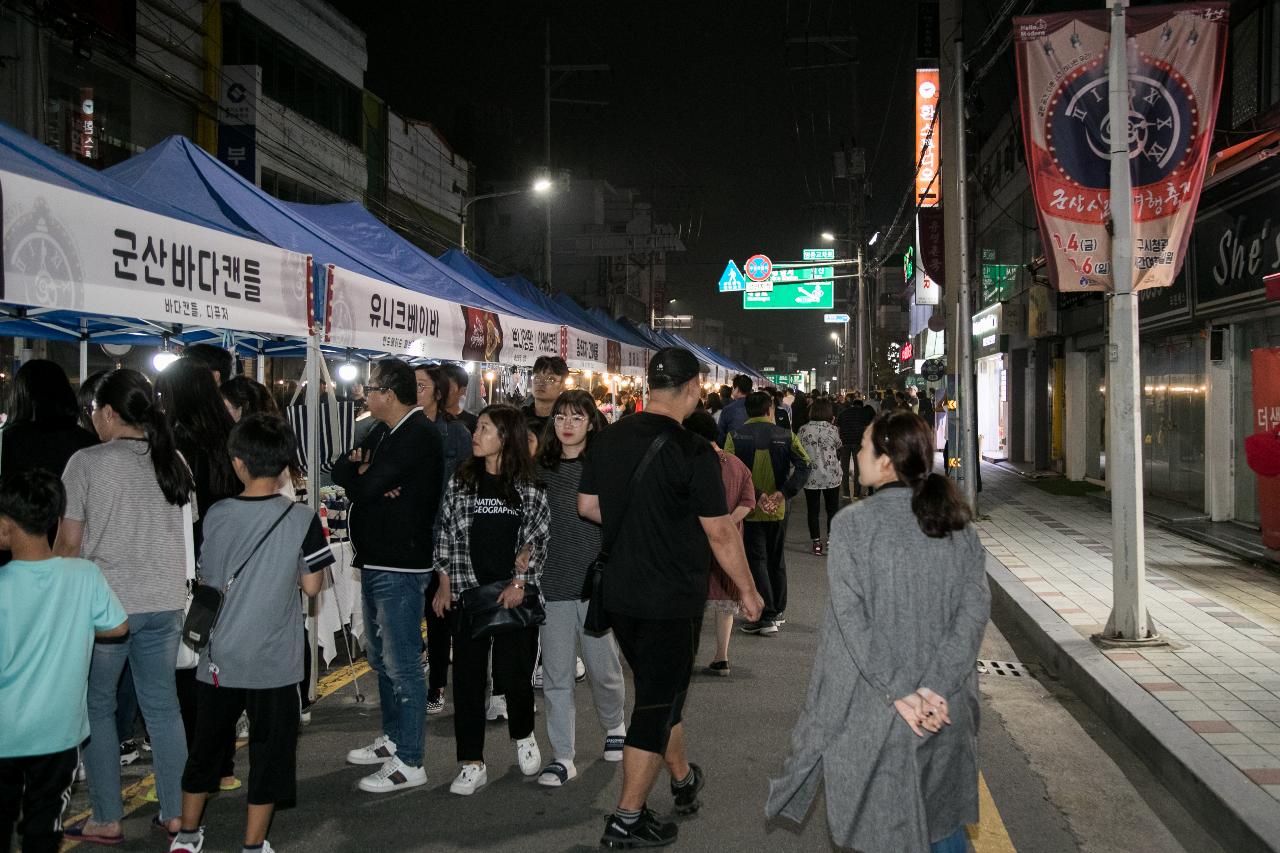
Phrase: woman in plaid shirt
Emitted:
{"points": [[494, 524]]}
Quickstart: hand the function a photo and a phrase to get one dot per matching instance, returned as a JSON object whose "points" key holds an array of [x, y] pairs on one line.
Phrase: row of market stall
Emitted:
{"points": [[172, 245]]}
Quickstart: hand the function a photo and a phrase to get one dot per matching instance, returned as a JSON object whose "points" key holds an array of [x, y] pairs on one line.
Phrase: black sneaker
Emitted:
{"points": [[128, 752], [687, 801], [718, 668], [645, 832]]}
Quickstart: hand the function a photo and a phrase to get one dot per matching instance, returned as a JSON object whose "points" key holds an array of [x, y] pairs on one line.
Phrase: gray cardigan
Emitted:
{"points": [[905, 611]]}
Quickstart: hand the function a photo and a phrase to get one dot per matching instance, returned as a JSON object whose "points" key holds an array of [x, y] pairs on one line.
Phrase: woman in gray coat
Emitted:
{"points": [[890, 723]]}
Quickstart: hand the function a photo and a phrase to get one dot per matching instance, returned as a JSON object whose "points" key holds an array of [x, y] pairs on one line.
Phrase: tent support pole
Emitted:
{"points": [[84, 350], [313, 484]]}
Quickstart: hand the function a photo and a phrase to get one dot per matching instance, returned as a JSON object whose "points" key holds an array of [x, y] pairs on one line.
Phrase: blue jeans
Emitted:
{"points": [[150, 649], [393, 605]]}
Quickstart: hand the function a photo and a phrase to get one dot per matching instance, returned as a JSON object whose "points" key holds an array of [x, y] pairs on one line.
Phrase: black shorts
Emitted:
{"points": [[660, 653], [273, 741]]}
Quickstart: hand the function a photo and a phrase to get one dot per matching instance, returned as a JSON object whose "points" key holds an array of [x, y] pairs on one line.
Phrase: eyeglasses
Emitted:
{"points": [[547, 380], [575, 420], [369, 389], [422, 386]]}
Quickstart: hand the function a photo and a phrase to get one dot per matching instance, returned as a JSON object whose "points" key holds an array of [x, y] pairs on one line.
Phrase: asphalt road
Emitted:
{"points": [[1055, 778]]}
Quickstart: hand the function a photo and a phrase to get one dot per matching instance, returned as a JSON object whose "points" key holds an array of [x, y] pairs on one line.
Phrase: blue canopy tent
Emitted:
{"points": [[532, 308], [52, 314]]}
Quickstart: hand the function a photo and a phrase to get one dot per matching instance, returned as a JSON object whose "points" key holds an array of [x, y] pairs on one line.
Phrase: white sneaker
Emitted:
{"points": [[177, 846], [266, 847], [529, 756], [381, 750], [537, 677], [470, 779], [242, 727], [579, 671], [497, 708], [393, 776], [305, 719]]}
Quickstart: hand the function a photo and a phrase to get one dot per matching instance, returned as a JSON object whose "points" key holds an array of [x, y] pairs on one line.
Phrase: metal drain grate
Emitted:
{"points": [[1010, 668]]}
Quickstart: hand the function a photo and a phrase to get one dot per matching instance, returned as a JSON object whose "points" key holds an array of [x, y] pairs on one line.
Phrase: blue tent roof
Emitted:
{"points": [[528, 308], [27, 156], [585, 320], [345, 235], [618, 331]]}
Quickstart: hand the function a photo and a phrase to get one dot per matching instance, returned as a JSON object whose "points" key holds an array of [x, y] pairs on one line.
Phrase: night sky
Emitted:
{"points": [[707, 116]]}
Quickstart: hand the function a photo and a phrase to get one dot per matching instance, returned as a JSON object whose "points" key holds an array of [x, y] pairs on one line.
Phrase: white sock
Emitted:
{"points": [[619, 730]]}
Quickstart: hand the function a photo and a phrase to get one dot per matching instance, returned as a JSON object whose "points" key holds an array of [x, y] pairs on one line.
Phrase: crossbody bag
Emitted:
{"points": [[206, 601], [597, 621]]}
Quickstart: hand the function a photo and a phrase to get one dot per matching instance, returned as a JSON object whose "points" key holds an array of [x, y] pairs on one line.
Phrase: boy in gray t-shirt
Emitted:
{"points": [[253, 661]]}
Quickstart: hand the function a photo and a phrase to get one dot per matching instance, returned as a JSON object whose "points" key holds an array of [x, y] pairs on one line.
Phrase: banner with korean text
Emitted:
{"points": [[927, 137], [369, 314], [1176, 55], [583, 350], [71, 251], [635, 360]]}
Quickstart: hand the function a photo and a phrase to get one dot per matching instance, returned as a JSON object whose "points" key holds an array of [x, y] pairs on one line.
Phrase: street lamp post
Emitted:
{"points": [[855, 374], [542, 186], [653, 312]]}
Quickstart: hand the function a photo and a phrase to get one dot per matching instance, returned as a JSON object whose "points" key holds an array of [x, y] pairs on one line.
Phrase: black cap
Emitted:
{"points": [[671, 367]]}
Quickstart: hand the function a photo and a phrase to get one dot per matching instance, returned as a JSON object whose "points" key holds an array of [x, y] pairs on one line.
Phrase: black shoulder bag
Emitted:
{"points": [[206, 601], [597, 621]]}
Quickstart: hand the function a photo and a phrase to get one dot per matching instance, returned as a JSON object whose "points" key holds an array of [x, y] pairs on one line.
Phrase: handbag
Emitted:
{"points": [[596, 620], [486, 617], [206, 601]]}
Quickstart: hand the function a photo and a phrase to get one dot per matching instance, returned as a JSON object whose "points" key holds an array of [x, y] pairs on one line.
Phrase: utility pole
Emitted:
{"points": [[860, 305], [1129, 621], [546, 131], [967, 391]]}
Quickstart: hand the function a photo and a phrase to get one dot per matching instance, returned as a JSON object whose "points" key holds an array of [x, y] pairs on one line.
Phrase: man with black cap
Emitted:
{"points": [[666, 527]]}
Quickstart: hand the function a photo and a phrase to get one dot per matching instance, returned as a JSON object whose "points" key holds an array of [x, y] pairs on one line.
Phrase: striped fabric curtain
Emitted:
{"points": [[336, 433]]}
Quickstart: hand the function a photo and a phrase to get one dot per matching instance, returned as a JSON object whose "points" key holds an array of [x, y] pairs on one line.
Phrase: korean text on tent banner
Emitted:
{"points": [[368, 314], [69, 251], [583, 350], [1175, 56], [635, 360]]}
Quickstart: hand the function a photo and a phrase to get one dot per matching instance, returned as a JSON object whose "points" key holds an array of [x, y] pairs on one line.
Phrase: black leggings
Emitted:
{"points": [[831, 497]]}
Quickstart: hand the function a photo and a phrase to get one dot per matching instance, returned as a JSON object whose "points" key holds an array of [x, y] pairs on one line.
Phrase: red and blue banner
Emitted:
{"points": [[1175, 57]]}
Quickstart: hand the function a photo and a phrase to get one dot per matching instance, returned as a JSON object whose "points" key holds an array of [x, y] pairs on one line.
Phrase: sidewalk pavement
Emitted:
{"points": [[1217, 683]]}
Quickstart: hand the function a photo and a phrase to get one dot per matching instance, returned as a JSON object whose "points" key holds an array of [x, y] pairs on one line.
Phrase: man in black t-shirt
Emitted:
{"points": [[667, 526]]}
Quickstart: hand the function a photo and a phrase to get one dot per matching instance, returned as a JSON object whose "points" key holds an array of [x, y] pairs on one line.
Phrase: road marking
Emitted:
{"points": [[989, 836], [133, 794]]}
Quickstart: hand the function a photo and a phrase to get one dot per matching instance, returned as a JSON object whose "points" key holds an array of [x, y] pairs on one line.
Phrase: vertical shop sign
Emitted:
{"points": [[1176, 56], [1266, 421], [238, 119], [927, 136]]}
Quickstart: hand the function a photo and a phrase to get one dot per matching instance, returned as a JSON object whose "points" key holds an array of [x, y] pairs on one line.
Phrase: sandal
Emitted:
{"points": [[157, 823], [556, 774], [76, 833]]}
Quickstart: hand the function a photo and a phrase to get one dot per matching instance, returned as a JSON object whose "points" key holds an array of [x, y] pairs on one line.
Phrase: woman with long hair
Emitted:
{"points": [[126, 501], [740, 495], [821, 440], [574, 423], [244, 397], [494, 528], [188, 396], [201, 425], [41, 430], [891, 718]]}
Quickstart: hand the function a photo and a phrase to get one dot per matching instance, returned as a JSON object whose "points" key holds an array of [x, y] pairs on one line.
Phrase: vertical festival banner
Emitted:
{"points": [[1175, 56], [927, 138]]}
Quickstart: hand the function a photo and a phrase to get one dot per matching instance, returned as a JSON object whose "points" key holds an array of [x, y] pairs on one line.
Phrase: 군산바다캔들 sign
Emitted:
{"points": [[73, 251], [1176, 56]]}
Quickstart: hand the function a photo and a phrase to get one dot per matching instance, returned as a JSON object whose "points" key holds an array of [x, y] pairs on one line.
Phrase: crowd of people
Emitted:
{"points": [[540, 545]]}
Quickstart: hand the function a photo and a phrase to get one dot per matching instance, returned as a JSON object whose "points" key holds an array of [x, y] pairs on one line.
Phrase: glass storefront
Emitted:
{"points": [[1173, 412], [1247, 337], [993, 395]]}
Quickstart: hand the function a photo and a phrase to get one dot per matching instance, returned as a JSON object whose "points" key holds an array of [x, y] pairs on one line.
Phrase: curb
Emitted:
{"points": [[1238, 813]]}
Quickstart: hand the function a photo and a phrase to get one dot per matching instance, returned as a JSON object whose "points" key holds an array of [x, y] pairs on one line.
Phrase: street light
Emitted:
{"points": [[828, 236], [541, 186], [653, 312]]}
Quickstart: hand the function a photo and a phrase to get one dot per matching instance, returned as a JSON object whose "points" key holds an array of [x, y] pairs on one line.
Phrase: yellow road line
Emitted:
{"points": [[133, 794], [989, 836]]}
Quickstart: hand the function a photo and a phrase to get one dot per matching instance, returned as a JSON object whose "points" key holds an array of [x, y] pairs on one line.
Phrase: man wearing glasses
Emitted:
{"points": [[549, 374], [393, 479]]}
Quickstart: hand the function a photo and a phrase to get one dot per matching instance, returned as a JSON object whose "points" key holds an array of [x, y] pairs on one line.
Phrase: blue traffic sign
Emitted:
{"points": [[732, 281]]}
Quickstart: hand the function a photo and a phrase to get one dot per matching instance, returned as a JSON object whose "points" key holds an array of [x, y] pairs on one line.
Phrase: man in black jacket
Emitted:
{"points": [[852, 422], [393, 480]]}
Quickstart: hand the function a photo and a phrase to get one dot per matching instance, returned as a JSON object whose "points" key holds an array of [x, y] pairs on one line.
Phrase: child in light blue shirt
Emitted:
{"points": [[51, 609]]}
